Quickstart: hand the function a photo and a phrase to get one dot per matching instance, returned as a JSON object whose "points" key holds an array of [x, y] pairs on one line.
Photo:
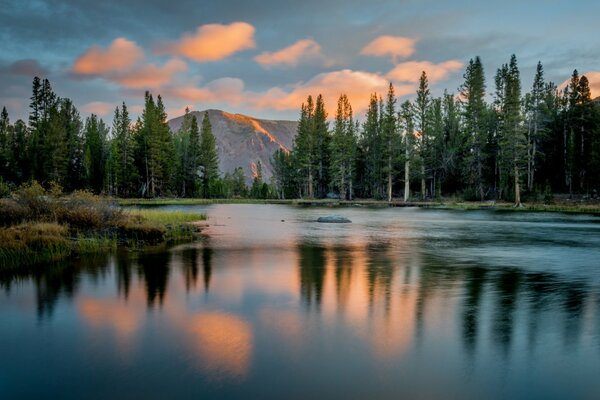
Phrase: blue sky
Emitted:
{"points": [[263, 57]]}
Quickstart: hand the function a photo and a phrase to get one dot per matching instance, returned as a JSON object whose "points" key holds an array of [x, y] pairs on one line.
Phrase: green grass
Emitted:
{"points": [[166, 217]]}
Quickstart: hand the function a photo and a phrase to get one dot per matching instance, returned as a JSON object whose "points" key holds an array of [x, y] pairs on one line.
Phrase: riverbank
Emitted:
{"points": [[571, 207], [38, 225]]}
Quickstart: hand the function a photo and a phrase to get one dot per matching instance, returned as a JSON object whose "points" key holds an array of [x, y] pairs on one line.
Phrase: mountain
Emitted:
{"points": [[242, 141]]}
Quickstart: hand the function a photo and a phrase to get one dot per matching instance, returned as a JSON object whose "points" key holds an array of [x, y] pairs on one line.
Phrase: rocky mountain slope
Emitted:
{"points": [[242, 141]]}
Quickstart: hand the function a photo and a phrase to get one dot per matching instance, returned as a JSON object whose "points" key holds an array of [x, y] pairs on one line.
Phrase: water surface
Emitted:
{"points": [[402, 303]]}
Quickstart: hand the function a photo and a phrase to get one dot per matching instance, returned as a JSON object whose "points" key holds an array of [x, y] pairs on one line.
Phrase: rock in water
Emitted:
{"points": [[334, 219]]}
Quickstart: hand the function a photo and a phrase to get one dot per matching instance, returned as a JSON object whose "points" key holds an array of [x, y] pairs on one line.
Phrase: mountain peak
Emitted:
{"points": [[243, 140]]}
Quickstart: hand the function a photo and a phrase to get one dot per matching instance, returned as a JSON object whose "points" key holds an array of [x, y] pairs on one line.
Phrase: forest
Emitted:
{"points": [[506, 144]]}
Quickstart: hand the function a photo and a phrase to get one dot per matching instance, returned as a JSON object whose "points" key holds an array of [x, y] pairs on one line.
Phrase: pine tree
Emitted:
{"points": [[406, 117], [512, 140], [371, 144], [343, 150], [322, 141], [472, 98], [95, 153], [122, 153], [389, 133], [304, 149], [208, 156], [5, 129], [422, 105]]}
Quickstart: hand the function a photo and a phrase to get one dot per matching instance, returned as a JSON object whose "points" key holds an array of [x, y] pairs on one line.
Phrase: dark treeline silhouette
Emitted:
{"points": [[542, 142], [141, 158], [536, 143]]}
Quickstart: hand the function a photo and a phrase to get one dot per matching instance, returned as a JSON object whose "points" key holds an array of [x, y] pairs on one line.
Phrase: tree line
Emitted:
{"points": [[140, 158], [518, 144]]}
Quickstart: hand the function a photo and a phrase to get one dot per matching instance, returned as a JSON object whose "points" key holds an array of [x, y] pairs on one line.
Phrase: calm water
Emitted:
{"points": [[402, 303]]}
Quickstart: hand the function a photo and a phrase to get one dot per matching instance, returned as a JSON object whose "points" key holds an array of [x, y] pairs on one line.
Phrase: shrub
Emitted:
{"points": [[11, 212]]}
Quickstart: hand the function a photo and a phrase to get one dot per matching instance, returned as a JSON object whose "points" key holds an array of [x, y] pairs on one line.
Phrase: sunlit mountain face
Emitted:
{"points": [[262, 58], [244, 141]]}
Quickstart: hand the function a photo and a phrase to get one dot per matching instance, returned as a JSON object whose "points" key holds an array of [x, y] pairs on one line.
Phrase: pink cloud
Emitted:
{"points": [[212, 42], [291, 55], [149, 76], [120, 55], [99, 108], [410, 71], [357, 85], [393, 46], [123, 63]]}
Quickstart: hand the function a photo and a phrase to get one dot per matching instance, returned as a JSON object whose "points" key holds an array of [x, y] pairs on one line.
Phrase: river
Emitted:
{"points": [[269, 304]]}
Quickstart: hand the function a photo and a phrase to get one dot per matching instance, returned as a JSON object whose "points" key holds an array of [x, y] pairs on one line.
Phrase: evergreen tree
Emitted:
{"points": [[208, 156], [343, 150], [512, 140], [95, 153], [322, 141], [371, 144], [422, 104], [406, 117], [304, 149], [389, 136]]}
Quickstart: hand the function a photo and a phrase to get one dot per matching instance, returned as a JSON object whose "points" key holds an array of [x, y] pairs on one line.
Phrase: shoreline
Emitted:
{"points": [[592, 208]]}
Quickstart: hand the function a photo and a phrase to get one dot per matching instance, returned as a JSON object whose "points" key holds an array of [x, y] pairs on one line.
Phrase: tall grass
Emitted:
{"points": [[38, 225]]}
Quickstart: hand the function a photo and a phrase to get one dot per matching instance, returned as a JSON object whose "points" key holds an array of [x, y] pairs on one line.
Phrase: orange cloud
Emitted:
{"points": [[393, 46], [410, 71], [357, 85], [291, 55], [229, 90], [99, 108], [149, 75], [212, 42], [120, 55]]}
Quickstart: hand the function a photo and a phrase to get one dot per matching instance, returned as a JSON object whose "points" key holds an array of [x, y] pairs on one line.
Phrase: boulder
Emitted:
{"points": [[334, 219]]}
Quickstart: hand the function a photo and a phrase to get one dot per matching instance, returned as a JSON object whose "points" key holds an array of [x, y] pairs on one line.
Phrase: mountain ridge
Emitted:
{"points": [[243, 141]]}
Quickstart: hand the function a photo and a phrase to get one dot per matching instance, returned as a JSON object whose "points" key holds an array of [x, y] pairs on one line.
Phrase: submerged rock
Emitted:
{"points": [[334, 219]]}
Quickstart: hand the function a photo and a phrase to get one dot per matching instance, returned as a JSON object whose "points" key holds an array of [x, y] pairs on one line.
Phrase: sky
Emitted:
{"points": [[263, 58]]}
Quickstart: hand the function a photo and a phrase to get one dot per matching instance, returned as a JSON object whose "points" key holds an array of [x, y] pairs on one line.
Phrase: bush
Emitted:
{"points": [[33, 242], [11, 212]]}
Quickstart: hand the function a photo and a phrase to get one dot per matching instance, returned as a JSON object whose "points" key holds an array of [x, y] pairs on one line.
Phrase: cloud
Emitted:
{"points": [[230, 90], [212, 42], [394, 46], [122, 54], [27, 67], [410, 71], [149, 75], [99, 108], [123, 63], [291, 55], [357, 85]]}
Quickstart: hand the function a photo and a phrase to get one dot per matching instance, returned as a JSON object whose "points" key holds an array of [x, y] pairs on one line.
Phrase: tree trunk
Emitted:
{"points": [[423, 186], [517, 188], [389, 180], [406, 180], [310, 184]]}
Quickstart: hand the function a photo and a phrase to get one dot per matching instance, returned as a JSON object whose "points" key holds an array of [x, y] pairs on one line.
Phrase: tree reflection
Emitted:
{"points": [[207, 256], [312, 273], [154, 268]]}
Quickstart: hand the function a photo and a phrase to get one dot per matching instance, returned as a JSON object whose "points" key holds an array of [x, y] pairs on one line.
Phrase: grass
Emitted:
{"points": [[38, 225], [176, 224]]}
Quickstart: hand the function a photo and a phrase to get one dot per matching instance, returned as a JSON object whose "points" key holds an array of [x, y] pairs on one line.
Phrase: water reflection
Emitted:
{"points": [[387, 312]]}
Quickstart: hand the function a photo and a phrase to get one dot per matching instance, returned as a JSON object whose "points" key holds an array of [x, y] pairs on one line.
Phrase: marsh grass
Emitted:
{"points": [[38, 225]]}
